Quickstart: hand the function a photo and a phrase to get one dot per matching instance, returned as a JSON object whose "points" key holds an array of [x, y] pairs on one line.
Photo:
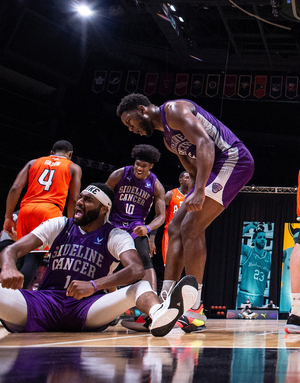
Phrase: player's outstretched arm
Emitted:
{"points": [[10, 277]]}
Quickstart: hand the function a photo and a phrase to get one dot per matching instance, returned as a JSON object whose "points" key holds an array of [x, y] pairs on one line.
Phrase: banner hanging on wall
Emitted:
{"points": [[260, 83], [181, 84], [166, 82], [99, 81], [197, 85], [230, 85], [150, 83], [114, 82], [291, 87], [276, 86], [244, 86], [212, 85], [132, 81]]}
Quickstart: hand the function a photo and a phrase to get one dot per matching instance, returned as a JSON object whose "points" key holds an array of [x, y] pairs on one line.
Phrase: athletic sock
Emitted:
{"points": [[295, 304], [168, 286], [198, 301]]}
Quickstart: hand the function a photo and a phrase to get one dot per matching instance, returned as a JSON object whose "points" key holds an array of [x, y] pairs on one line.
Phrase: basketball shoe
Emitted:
{"points": [[178, 302], [141, 323], [293, 324], [193, 320], [114, 322]]}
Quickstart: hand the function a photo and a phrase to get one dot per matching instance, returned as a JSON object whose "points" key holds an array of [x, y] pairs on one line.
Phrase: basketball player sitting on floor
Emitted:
{"points": [[84, 251], [246, 312]]}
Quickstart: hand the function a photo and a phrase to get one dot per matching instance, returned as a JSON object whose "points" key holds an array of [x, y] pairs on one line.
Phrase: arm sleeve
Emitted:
{"points": [[49, 230], [119, 241]]}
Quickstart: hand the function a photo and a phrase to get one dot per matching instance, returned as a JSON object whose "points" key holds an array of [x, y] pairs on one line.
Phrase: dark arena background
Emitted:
{"points": [[62, 77]]}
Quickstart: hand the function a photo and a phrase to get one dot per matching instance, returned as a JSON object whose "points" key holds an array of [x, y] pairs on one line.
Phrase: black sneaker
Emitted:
{"points": [[177, 303], [114, 322], [141, 323], [292, 324]]}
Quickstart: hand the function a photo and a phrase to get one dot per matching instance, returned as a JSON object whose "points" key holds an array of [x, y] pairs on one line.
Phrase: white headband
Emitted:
{"points": [[101, 197]]}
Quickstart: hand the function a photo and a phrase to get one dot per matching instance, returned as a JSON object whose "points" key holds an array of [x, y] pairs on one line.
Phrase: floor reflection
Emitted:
{"points": [[149, 364]]}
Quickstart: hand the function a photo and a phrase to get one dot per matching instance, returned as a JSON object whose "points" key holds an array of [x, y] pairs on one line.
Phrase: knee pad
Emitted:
{"points": [[142, 247]]}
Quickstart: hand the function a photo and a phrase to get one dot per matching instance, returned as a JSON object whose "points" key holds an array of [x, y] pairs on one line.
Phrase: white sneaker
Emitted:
{"points": [[177, 303], [163, 295], [253, 315]]}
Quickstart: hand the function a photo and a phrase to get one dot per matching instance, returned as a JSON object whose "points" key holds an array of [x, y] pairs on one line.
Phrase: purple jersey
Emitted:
{"points": [[133, 199], [78, 256], [233, 164], [218, 132]]}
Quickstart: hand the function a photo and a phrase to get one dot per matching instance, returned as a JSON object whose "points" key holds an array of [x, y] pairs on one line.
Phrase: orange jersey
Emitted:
{"points": [[176, 201], [48, 181]]}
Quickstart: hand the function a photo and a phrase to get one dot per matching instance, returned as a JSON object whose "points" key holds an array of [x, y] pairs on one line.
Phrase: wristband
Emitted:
{"points": [[94, 285], [148, 229]]}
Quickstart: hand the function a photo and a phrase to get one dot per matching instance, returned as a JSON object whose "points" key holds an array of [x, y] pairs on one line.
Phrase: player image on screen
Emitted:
{"points": [[255, 265]]}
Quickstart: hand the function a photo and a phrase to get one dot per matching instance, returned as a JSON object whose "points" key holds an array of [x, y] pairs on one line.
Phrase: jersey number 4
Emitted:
{"points": [[46, 178]]}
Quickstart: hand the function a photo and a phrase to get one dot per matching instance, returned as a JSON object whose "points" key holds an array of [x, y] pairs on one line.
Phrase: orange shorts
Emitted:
{"points": [[165, 244], [33, 214]]}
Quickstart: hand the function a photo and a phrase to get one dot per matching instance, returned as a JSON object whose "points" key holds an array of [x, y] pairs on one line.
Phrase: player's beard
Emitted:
{"points": [[148, 127], [260, 245], [88, 217]]}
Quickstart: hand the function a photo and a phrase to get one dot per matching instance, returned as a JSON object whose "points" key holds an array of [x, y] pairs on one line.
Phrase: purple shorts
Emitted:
{"points": [[129, 226], [231, 171], [52, 310]]}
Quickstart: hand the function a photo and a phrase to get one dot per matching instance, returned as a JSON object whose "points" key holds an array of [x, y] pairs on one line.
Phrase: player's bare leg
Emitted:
{"points": [[187, 246], [164, 315], [174, 258], [293, 322], [192, 231], [13, 307], [190, 251], [150, 276]]}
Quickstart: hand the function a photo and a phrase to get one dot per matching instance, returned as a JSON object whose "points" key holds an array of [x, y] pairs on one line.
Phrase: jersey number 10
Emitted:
{"points": [[129, 208]]}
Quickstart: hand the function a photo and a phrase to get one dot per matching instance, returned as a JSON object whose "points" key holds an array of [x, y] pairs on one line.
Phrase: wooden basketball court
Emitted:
{"points": [[230, 350]]}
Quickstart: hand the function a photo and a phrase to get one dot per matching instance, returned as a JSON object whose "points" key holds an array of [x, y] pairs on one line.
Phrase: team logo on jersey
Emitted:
{"points": [[148, 185], [216, 187], [98, 240]]}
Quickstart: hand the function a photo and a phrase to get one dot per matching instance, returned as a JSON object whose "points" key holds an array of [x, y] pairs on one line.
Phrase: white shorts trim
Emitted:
{"points": [[223, 176]]}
